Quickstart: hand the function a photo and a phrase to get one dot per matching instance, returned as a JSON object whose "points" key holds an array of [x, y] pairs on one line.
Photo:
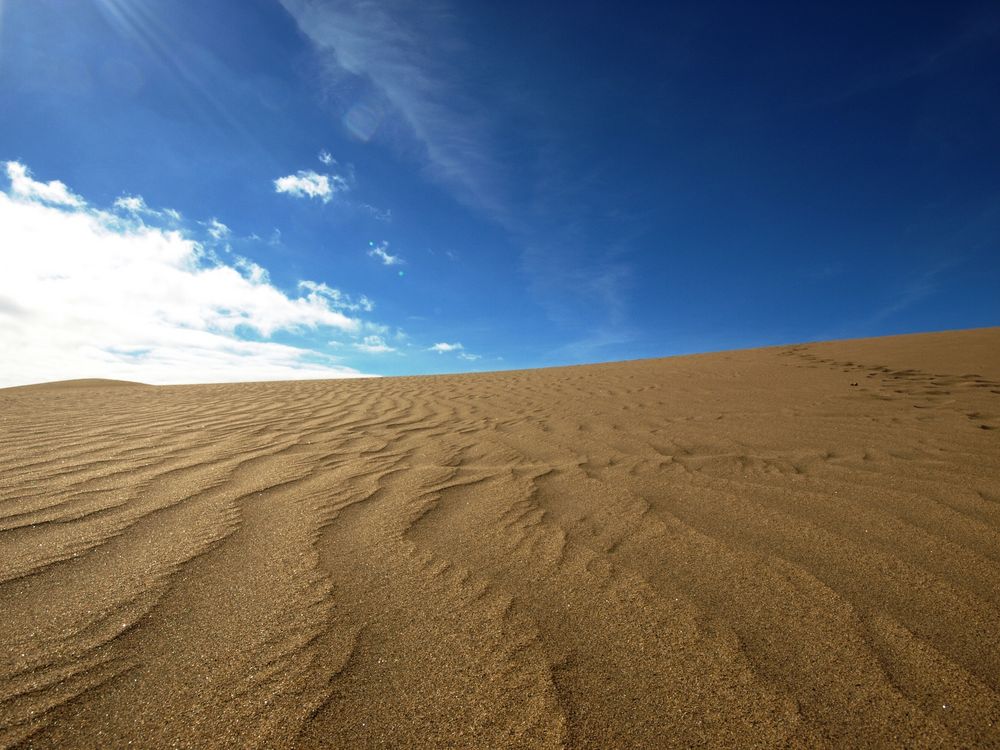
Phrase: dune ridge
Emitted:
{"points": [[77, 384], [795, 546]]}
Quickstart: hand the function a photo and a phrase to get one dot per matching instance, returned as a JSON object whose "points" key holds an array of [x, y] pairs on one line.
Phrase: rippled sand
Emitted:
{"points": [[795, 546]]}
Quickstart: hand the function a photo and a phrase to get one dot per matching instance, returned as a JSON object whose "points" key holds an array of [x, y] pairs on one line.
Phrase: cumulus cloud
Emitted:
{"points": [[24, 186], [470, 357], [326, 157], [381, 251], [445, 347], [88, 293], [309, 184], [374, 345]]}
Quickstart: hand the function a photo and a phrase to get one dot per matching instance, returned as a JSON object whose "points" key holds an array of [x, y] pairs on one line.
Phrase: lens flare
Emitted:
{"points": [[1, 31], [199, 72], [362, 121]]}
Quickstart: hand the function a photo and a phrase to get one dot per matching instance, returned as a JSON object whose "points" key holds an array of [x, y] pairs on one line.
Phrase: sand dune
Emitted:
{"points": [[71, 385], [796, 546]]}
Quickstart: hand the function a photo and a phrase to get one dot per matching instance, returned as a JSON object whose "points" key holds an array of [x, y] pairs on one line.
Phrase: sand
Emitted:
{"points": [[796, 546]]}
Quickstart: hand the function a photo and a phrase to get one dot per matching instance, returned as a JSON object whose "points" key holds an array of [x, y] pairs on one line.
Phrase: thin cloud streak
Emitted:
{"points": [[409, 58], [414, 63], [374, 345]]}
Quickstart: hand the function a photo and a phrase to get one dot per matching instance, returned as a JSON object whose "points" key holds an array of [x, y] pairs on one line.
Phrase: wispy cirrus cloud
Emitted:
{"points": [[374, 345], [217, 230], [309, 184], [379, 214], [337, 299], [137, 206], [76, 299], [407, 55], [589, 299], [413, 70]]}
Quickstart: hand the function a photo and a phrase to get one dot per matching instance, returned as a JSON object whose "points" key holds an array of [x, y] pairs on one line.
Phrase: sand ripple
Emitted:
{"points": [[797, 546]]}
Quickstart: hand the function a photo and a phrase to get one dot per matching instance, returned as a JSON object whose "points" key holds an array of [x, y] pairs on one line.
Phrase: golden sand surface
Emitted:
{"points": [[796, 546]]}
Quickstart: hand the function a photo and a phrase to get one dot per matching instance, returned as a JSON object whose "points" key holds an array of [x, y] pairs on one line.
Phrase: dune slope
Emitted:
{"points": [[795, 546]]}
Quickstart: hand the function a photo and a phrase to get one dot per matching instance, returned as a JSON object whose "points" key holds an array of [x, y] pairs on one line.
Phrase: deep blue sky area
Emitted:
{"points": [[501, 184]]}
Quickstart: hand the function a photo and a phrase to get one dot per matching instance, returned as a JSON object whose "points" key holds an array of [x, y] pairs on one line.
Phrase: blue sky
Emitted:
{"points": [[258, 189]]}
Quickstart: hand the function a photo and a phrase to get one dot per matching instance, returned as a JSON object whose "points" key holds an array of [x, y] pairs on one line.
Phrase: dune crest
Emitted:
{"points": [[81, 383], [792, 546]]}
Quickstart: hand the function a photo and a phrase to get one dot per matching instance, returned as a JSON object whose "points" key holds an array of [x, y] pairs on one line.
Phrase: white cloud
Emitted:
{"points": [[326, 157], [55, 192], [251, 271], [309, 184], [217, 229], [374, 345], [445, 347], [137, 206], [337, 298], [134, 204], [379, 214], [381, 251], [86, 293]]}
